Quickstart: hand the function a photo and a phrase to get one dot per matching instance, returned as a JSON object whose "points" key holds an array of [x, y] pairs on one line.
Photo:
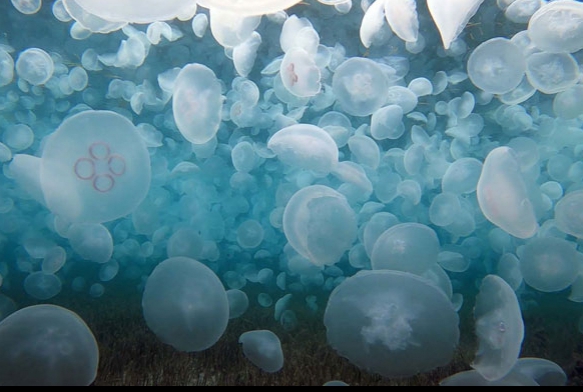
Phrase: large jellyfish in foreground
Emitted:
{"points": [[185, 304], [392, 323], [95, 168], [47, 345], [319, 224]]}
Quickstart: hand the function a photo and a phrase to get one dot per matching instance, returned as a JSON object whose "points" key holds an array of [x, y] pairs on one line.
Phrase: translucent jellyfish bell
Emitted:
{"points": [[392, 323], [197, 103], [496, 66], [499, 328], [263, 349], [300, 74], [148, 11], [360, 85], [557, 27], [319, 224], [403, 19], [35, 66], [551, 73], [47, 345], [569, 214], [27, 7], [248, 7], [6, 68], [102, 174], [502, 194], [452, 16], [185, 304]]}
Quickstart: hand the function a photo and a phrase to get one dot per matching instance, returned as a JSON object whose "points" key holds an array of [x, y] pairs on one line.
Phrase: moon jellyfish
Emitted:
{"points": [[502, 194], [18, 137], [263, 349], [496, 66], [42, 286], [319, 224], [462, 176], [27, 7], [35, 66], [499, 328], [305, 146], [360, 86], [185, 304], [557, 27], [6, 68], [399, 248], [197, 103], [392, 323], [472, 378], [250, 234], [249, 7], [238, 303], [452, 16], [149, 11], [551, 73], [546, 373], [403, 19], [549, 264], [92, 241], [47, 345], [300, 74], [102, 174], [567, 103], [569, 214]]}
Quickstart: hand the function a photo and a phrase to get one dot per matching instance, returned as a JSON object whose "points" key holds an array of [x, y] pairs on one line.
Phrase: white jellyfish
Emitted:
{"points": [[92, 241], [569, 214], [197, 103], [360, 86], [305, 146], [42, 286], [403, 19], [103, 173], [35, 66], [27, 7], [263, 349], [185, 304], [249, 7], [551, 73], [47, 345], [452, 16], [300, 74], [319, 224], [567, 105], [6, 68], [149, 11], [496, 66], [238, 303], [392, 323], [250, 234], [502, 194], [557, 27], [499, 328]]}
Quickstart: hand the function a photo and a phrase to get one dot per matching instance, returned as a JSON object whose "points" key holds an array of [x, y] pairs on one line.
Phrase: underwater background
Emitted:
{"points": [[325, 193]]}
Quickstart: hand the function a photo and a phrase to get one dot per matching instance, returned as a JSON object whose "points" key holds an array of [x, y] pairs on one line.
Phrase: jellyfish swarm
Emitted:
{"points": [[185, 304], [197, 103], [319, 224], [263, 349], [392, 323], [47, 345], [502, 194], [95, 168], [499, 328]]}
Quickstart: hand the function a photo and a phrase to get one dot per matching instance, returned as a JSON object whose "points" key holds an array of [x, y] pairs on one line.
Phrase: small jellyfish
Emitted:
{"points": [[197, 103], [462, 176], [250, 234], [102, 175], [91, 241], [360, 86], [452, 16], [319, 224], [557, 27], [263, 349], [567, 103], [27, 7], [499, 328], [42, 285], [35, 66], [6, 68], [185, 304], [569, 214], [300, 74], [502, 194], [496, 66], [238, 303], [305, 146], [47, 345], [551, 73], [18, 137]]}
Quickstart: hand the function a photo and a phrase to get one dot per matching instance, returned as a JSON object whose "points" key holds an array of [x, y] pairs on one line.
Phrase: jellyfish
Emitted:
{"points": [[319, 224], [35, 66], [197, 103], [263, 349], [403, 19], [238, 303], [452, 16], [496, 66], [250, 234], [549, 264], [92, 241], [103, 173], [185, 304], [569, 214], [360, 86], [87, 22], [398, 248], [462, 176], [499, 328], [42, 286], [557, 27], [249, 7], [393, 323], [305, 146], [6, 68], [300, 74], [148, 12], [502, 194], [567, 105], [551, 73], [47, 345], [372, 23], [27, 7]]}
